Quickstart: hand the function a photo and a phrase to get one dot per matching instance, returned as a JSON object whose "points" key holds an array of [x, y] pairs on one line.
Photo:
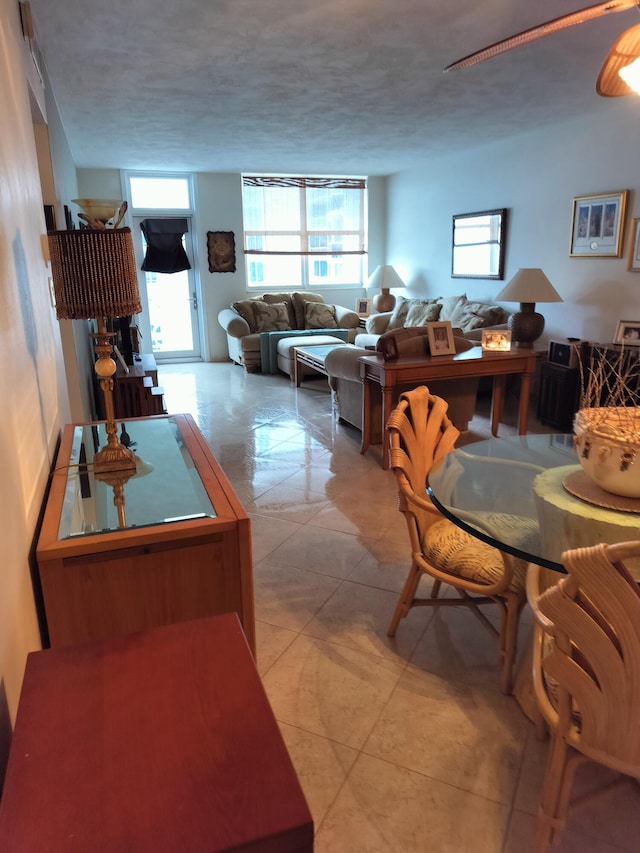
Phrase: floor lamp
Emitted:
{"points": [[95, 277]]}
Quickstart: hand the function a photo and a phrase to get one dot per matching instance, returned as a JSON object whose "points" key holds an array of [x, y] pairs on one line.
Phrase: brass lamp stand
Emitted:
{"points": [[95, 276]]}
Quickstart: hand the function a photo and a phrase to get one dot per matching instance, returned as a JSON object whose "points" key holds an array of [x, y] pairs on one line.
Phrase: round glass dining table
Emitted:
{"points": [[518, 494]]}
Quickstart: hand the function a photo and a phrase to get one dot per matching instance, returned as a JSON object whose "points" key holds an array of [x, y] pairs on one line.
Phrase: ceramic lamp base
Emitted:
{"points": [[384, 301], [526, 325]]}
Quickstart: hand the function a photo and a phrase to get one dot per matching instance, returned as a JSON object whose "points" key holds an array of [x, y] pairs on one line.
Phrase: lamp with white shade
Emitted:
{"points": [[528, 286], [383, 278]]}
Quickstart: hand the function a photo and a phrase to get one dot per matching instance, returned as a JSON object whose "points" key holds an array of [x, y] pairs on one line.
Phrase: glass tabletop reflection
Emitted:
{"points": [[510, 493]]}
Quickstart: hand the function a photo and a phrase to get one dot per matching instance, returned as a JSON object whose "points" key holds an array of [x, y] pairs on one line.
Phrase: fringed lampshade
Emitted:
{"points": [[95, 276]]}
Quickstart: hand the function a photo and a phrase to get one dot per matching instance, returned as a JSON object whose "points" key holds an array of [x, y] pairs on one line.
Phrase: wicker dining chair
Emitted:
{"points": [[586, 671], [421, 433]]}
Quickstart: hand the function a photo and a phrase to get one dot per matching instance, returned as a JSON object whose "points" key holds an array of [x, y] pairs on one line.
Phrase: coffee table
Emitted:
{"points": [[411, 371], [313, 357]]}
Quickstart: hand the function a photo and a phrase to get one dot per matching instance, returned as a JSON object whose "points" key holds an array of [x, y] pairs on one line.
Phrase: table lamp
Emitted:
{"points": [[382, 278], [95, 277], [528, 286]]}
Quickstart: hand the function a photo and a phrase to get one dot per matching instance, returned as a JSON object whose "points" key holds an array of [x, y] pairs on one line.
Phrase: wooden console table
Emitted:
{"points": [[412, 371], [159, 741], [176, 546]]}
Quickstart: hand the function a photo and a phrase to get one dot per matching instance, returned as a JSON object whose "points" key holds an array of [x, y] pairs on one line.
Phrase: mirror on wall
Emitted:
{"points": [[478, 244]]}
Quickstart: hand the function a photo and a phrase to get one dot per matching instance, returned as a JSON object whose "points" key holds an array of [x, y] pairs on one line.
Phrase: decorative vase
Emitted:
{"points": [[607, 441]]}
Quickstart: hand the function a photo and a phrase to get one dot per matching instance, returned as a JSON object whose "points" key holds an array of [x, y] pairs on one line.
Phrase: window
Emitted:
{"points": [[304, 232]]}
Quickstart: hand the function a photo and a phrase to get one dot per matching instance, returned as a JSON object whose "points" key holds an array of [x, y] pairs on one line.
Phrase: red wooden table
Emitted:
{"points": [[158, 741]]}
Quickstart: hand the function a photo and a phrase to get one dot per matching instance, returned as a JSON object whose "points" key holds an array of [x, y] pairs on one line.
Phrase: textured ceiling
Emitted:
{"points": [[313, 86]]}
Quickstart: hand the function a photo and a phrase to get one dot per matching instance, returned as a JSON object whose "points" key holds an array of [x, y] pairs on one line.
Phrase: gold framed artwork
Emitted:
{"points": [[597, 225], [440, 335], [633, 263]]}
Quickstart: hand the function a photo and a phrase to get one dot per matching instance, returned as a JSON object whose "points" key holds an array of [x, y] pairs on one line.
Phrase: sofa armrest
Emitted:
{"points": [[233, 323], [342, 363], [346, 318], [476, 334], [377, 323]]}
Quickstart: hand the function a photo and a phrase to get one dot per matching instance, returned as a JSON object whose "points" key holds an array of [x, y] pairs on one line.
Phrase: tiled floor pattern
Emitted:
{"points": [[401, 745]]}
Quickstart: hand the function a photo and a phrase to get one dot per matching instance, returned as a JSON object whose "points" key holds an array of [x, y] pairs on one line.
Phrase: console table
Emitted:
{"points": [[159, 741], [410, 371], [168, 544]]}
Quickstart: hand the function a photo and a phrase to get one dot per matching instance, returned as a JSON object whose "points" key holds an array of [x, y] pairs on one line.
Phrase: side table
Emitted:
{"points": [[159, 741]]}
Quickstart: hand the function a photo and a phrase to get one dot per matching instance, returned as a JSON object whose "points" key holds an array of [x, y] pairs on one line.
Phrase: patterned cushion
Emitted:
{"points": [[421, 312], [274, 298], [317, 315], [298, 300], [449, 305], [476, 315], [270, 318], [245, 310], [454, 550]]}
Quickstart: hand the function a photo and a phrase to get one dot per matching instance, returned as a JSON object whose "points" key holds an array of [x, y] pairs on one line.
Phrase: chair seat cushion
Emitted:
{"points": [[455, 551]]}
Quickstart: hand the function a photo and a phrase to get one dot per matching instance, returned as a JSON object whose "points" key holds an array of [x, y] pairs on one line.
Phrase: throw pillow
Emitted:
{"points": [[317, 315], [476, 315], [449, 305], [245, 310], [299, 300], [271, 318], [275, 298], [422, 312], [396, 321]]}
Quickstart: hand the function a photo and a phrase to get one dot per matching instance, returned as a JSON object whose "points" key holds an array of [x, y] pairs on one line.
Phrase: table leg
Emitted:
{"points": [[387, 401], [497, 399], [523, 415], [366, 416], [297, 372]]}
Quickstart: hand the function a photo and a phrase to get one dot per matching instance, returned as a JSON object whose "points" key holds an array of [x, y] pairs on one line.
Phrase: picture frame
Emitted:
{"points": [[388, 348], [221, 251], [363, 307], [633, 262], [628, 333], [440, 335], [597, 225], [493, 341]]}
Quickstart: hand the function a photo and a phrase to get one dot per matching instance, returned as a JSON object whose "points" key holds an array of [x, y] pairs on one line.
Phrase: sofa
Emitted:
{"points": [[343, 373], [466, 315], [255, 326]]}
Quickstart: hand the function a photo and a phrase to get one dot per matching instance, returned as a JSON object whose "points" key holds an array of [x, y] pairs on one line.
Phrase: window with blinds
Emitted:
{"points": [[304, 232]]}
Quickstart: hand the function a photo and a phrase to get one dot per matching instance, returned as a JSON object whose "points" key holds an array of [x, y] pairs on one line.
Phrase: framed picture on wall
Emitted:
{"points": [[628, 333], [634, 247], [597, 225]]}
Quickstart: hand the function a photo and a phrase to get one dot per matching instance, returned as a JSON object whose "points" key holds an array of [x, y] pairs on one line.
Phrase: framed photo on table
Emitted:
{"points": [[628, 333], [363, 307], [597, 225], [440, 335]]}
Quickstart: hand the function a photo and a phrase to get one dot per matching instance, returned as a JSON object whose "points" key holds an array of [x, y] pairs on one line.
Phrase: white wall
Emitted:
{"points": [[32, 381], [219, 208], [536, 177]]}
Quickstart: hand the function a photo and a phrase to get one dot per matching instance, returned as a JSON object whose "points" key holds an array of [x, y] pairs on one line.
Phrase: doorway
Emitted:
{"points": [[170, 323]]}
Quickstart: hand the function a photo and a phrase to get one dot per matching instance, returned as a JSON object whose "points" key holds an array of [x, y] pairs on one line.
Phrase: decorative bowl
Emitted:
{"points": [[102, 209], [607, 441]]}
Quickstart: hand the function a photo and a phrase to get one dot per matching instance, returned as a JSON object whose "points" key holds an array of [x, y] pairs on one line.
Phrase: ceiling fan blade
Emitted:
{"points": [[625, 49], [526, 36]]}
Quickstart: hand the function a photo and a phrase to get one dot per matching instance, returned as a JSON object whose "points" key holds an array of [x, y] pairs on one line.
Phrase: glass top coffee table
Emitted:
{"points": [[313, 357]]}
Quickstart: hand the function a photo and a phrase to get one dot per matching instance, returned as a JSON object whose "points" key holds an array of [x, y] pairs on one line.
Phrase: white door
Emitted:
{"points": [[170, 304]]}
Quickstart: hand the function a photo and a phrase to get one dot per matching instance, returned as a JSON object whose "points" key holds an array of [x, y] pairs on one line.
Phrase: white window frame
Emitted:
{"points": [[307, 256]]}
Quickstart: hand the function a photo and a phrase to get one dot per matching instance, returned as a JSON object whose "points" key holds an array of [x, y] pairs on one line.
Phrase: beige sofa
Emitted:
{"points": [[254, 326], [343, 371], [464, 314]]}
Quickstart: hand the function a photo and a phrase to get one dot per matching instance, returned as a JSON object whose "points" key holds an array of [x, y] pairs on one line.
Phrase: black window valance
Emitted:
{"points": [[165, 252]]}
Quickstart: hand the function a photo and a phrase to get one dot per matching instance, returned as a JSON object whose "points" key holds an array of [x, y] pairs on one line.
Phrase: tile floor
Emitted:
{"points": [[401, 745]]}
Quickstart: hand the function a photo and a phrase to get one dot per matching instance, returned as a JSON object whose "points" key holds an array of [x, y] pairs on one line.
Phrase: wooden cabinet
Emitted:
{"points": [[558, 396], [171, 543]]}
